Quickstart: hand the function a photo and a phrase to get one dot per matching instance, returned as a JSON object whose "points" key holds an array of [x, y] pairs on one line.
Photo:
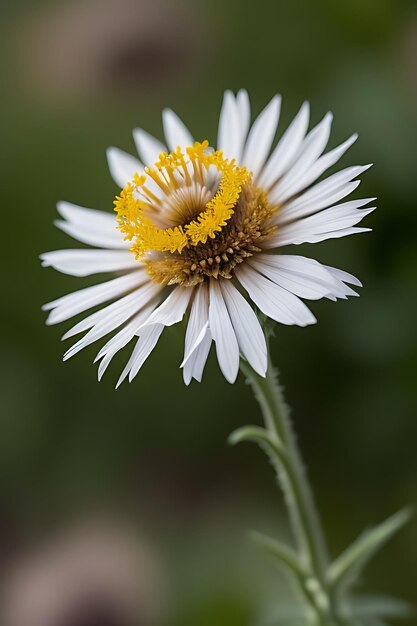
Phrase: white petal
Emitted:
{"points": [[148, 147], [113, 316], [243, 107], [312, 237], [139, 297], [87, 262], [261, 137], [221, 329], [327, 186], [86, 234], [195, 345], [198, 320], [97, 228], [322, 164], [335, 234], [173, 308], [276, 302], [313, 145], [290, 213], [248, 330], [339, 211], [122, 166], [75, 214], [321, 226], [144, 346], [194, 366], [302, 276], [73, 303], [120, 340], [234, 124], [176, 133], [228, 132], [286, 149], [340, 216], [344, 276]]}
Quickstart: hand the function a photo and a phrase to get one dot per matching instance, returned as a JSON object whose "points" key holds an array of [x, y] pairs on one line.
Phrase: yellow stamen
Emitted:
{"points": [[134, 213]]}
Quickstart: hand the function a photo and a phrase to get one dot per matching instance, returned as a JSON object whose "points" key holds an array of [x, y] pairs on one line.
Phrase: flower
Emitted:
{"points": [[200, 231]]}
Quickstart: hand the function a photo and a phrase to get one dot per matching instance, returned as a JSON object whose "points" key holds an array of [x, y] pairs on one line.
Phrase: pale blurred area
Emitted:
{"points": [[77, 52], [77, 76], [92, 574]]}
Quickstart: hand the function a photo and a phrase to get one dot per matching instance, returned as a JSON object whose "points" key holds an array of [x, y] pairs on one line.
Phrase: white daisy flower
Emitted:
{"points": [[200, 231]]}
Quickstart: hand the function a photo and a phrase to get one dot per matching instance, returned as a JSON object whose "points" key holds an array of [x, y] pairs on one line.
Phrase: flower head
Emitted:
{"points": [[198, 231]]}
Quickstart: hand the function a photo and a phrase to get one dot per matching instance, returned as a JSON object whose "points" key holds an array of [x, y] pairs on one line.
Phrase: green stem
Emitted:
{"points": [[311, 545]]}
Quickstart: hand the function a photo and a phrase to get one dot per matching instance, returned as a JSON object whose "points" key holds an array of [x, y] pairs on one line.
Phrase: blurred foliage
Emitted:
{"points": [[156, 449]]}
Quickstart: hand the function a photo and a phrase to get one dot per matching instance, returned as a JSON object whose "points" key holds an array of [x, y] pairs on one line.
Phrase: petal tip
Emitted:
{"points": [[119, 382]]}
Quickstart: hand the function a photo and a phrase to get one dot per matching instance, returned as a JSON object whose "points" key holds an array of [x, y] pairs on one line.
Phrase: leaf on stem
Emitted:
{"points": [[370, 606], [257, 435], [283, 553], [346, 568]]}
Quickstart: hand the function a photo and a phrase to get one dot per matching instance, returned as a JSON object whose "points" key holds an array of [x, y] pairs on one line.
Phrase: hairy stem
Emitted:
{"points": [[285, 455]]}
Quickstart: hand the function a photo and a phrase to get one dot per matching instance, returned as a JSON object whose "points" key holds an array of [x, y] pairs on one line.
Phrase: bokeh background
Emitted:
{"points": [[148, 466]]}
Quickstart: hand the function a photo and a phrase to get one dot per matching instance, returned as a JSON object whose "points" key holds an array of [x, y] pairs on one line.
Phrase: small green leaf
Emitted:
{"points": [[380, 606], [284, 554], [255, 434], [345, 569]]}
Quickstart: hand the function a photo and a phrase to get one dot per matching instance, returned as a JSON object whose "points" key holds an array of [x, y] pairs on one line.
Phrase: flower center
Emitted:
{"points": [[192, 215]]}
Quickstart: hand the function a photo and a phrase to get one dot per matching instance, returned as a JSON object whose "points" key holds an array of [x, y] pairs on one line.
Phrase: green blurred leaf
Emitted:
{"points": [[380, 606], [286, 556], [346, 568], [257, 435]]}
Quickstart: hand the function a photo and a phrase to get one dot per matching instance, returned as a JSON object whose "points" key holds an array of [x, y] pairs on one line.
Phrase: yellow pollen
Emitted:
{"points": [[140, 205]]}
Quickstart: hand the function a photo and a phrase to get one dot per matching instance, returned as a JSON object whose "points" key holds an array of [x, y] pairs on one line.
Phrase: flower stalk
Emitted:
{"points": [[325, 586], [279, 441]]}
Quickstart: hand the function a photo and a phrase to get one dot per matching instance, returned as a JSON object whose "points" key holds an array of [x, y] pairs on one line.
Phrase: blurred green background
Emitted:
{"points": [[77, 77]]}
